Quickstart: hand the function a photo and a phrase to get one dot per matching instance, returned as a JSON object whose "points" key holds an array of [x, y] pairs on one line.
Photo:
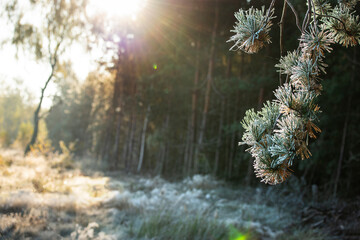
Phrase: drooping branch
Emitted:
{"points": [[305, 21], [278, 134], [281, 35], [330, 16], [311, 4], [295, 14], [269, 11]]}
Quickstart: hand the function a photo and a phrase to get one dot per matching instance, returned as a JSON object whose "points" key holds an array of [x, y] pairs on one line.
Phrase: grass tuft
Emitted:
{"points": [[5, 161], [38, 185], [169, 225], [302, 233]]}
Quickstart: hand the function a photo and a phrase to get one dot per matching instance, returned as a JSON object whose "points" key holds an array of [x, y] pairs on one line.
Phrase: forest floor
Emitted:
{"points": [[55, 198]]}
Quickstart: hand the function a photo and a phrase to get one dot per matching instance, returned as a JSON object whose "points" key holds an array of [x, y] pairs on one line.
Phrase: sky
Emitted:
{"points": [[33, 74], [17, 66]]}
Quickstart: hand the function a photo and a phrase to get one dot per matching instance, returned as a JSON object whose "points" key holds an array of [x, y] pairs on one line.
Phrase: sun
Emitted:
{"points": [[117, 8]]}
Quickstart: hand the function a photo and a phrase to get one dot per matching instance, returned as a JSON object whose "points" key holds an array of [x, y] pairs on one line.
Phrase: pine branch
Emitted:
{"points": [[278, 134], [295, 14]]}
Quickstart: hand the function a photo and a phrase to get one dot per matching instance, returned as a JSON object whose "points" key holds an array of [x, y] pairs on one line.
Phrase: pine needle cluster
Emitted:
{"points": [[321, 6], [343, 25], [252, 29], [280, 132]]}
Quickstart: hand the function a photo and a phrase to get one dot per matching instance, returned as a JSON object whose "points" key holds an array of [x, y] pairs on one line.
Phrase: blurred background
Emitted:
{"points": [[133, 113], [150, 86]]}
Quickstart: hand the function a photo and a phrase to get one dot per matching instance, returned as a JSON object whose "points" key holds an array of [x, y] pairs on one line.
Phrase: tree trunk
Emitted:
{"points": [[143, 135], [344, 133], [195, 93], [115, 112], [233, 142], [125, 152], [187, 150], [116, 145], [132, 141], [221, 121], [164, 147], [232, 151], [37, 111], [261, 98], [218, 142], [208, 90], [228, 136], [105, 147]]}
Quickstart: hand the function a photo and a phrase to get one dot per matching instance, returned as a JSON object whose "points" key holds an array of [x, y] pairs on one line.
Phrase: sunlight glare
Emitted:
{"points": [[119, 8]]}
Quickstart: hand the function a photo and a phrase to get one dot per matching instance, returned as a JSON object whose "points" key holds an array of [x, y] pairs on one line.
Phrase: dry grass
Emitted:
{"points": [[44, 198], [36, 174], [23, 224], [5, 162], [41, 198]]}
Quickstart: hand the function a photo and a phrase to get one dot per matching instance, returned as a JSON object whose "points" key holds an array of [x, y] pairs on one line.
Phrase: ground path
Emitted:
{"points": [[53, 198]]}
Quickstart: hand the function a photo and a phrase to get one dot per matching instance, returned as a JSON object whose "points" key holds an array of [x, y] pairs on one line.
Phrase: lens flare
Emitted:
{"points": [[234, 234]]}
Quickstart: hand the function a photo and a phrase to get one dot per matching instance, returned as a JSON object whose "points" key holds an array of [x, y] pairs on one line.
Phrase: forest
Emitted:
{"points": [[179, 119]]}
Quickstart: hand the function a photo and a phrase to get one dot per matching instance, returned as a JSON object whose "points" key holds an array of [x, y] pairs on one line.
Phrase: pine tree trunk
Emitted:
{"points": [[125, 151], [345, 128], [207, 92], [143, 136], [261, 98], [164, 147], [117, 105], [228, 137], [195, 93], [116, 114], [218, 142], [232, 152], [221, 121], [187, 150], [116, 145], [105, 147], [233, 143], [132, 141]]}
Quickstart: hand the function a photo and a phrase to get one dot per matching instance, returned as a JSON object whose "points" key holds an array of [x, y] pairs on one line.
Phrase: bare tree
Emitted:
{"points": [[63, 21]]}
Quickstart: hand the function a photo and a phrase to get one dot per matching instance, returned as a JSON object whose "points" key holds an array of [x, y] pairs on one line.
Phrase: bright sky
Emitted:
{"points": [[34, 74], [118, 8]]}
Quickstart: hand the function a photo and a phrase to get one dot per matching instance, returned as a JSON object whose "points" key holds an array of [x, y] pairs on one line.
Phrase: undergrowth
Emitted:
{"points": [[170, 225]]}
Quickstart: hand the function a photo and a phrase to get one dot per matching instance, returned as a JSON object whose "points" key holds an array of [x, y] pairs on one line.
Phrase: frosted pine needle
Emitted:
{"points": [[251, 30]]}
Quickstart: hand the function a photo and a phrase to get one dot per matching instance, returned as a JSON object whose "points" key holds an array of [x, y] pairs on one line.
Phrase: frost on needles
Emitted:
{"points": [[279, 133]]}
